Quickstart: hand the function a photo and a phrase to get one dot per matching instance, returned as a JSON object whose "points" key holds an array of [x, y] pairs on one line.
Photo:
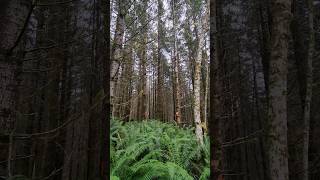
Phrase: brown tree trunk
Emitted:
{"points": [[308, 94], [142, 53], [142, 94], [116, 50], [215, 94], [125, 86], [104, 162], [277, 105], [177, 91], [160, 78], [13, 20]]}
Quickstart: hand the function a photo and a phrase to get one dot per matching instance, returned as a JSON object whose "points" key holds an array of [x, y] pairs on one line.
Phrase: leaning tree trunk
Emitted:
{"points": [[277, 105]]}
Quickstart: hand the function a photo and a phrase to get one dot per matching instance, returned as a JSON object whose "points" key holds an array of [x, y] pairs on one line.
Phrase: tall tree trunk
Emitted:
{"points": [[197, 74], [215, 93], [142, 52], [308, 94], [116, 49], [104, 170], [196, 95], [265, 39], [125, 86], [277, 105], [159, 92], [206, 97], [177, 92], [13, 20], [54, 60], [264, 46], [142, 101]]}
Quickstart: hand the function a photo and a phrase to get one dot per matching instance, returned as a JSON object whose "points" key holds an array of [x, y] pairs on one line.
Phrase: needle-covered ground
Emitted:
{"points": [[152, 149]]}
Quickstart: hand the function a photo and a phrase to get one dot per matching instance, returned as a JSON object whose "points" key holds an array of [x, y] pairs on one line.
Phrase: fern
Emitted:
{"points": [[114, 178], [156, 150], [205, 174]]}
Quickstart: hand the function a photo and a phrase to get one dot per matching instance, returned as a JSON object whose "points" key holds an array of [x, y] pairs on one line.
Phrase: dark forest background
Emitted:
{"points": [[256, 92]]}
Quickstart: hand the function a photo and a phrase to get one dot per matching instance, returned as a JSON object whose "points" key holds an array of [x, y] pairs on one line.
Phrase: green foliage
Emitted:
{"points": [[115, 178], [156, 150]]}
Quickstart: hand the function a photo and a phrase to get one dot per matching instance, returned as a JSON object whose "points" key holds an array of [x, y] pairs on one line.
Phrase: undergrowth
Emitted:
{"points": [[152, 149]]}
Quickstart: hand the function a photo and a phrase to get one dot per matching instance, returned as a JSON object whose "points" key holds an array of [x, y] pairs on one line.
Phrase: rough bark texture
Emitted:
{"points": [[13, 15], [142, 106], [277, 108], [206, 97], [196, 95], [116, 49], [124, 87], [159, 92], [177, 91], [197, 75], [142, 91], [12, 18]]}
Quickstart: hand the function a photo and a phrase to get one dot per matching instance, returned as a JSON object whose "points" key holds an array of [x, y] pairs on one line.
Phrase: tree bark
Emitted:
{"points": [[142, 101], [13, 20], [197, 74], [177, 92], [104, 162], [196, 95], [142, 53], [308, 94], [215, 94], [277, 107], [116, 50], [159, 92]]}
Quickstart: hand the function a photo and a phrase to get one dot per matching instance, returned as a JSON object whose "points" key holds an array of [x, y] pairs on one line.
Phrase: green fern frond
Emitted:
{"points": [[155, 150]]}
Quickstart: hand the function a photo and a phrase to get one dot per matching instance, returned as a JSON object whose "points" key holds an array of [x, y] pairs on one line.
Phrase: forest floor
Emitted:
{"points": [[152, 149]]}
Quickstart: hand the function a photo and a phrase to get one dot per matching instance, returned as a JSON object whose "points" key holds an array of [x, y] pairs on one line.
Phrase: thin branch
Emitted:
{"points": [[242, 140], [59, 44], [56, 3], [23, 157]]}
